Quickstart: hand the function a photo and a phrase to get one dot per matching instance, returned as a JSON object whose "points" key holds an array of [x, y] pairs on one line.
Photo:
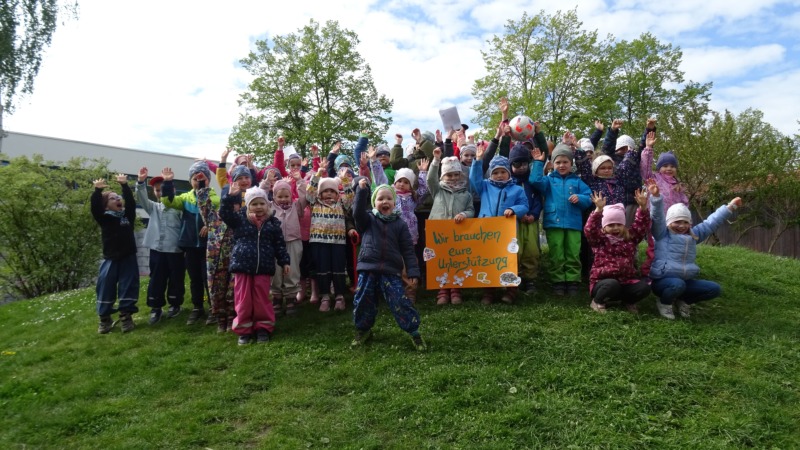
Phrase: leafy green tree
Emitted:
{"points": [[312, 87], [48, 239]]}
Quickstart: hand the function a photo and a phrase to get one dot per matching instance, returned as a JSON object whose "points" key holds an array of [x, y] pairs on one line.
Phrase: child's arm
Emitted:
{"points": [[280, 161], [629, 167], [226, 210], [311, 191], [422, 179], [468, 213], [641, 224], [279, 248], [646, 163], [127, 196], [597, 133], [584, 196], [659, 223], [706, 228], [96, 200], [584, 164], [378, 174], [222, 171], [361, 146], [361, 206], [433, 177], [396, 159], [168, 197], [476, 173], [348, 194], [594, 225], [141, 192], [331, 160], [520, 205], [611, 138], [536, 178]]}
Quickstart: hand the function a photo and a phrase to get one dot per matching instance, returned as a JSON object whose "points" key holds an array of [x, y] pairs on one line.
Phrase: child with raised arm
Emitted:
{"points": [[565, 198], [289, 211], [329, 235], [613, 276], [674, 271], [119, 271], [386, 249], [167, 270], [500, 196], [258, 244], [452, 200]]}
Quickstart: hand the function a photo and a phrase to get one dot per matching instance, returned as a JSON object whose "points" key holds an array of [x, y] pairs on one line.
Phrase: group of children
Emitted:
{"points": [[276, 233]]}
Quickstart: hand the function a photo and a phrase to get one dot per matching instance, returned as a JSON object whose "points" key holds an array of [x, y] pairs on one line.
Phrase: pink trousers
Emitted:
{"points": [[252, 303]]}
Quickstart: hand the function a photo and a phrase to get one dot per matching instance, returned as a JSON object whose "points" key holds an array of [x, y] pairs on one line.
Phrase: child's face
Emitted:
{"points": [[329, 195], [622, 150], [157, 190], [500, 174], [384, 160], [680, 226], [244, 182], [384, 202], [258, 207], [196, 179], [452, 177], [614, 229], [520, 167], [467, 158], [606, 170], [115, 203], [283, 197], [402, 185], [294, 165], [668, 170], [562, 165]]}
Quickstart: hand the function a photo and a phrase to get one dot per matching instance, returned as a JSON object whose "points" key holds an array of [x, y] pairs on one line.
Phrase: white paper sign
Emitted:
{"points": [[450, 119]]}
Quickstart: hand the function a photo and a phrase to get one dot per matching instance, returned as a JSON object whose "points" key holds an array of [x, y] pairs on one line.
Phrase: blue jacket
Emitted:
{"points": [[676, 254], [495, 200], [558, 211], [255, 250], [386, 247]]}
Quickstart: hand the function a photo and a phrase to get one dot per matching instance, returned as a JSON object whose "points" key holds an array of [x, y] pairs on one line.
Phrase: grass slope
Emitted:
{"points": [[543, 373]]}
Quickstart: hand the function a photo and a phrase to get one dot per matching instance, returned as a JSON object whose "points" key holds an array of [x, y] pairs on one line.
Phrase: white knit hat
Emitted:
{"points": [[625, 141], [599, 161], [677, 212], [449, 165], [406, 173], [254, 193], [586, 145]]}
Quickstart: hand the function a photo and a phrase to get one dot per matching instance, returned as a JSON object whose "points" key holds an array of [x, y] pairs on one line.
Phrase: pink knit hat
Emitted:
{"points": [[614, 214], [329, 183]]}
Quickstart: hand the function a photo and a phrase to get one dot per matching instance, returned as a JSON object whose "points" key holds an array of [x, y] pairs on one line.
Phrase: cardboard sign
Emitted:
{"points": [[473, 253], [450, 119]]}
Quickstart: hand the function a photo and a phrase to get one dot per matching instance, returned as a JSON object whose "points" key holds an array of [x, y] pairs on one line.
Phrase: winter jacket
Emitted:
{"points": [[290, 218], [494, 200], [558, 211], [675, 254], [191, 220], [633, 181], [164, 227], [613, 257], [668, 186], [386, 246], [328, 222], [614, 188], [117, 232], [447, 204], [255, 249]]}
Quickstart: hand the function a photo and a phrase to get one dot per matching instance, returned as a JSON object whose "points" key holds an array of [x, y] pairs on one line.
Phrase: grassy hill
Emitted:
{"points": [[547, 372]]}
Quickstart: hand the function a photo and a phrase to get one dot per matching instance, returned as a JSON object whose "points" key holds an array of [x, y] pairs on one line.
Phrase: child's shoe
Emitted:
{"points": [[361, 338], [339, 305], [684, 309], [419, 343], [443, 297], [262, 336], [195, 315], [598, 307], [127, 322], [559, 289], [314, 299], [222, 324], [508, 296], [530, 288], [325, 304], [573, 287], [301, 294], [631, 307], [155, 316], [211, 319], [665, 310], [173, 311], [291, 306], [244, 339], [455, 296], [105, 325], [277, 304]]}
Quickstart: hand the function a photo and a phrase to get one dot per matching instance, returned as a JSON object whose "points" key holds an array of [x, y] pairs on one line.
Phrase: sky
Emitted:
{"points": [[164, 76]]}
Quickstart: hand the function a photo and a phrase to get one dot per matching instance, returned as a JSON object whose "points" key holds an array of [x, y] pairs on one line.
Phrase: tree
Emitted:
{"points": [[312, 87], [48, 239]]}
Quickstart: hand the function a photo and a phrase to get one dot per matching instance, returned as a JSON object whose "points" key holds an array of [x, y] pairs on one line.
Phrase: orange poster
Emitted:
{"points": [[470, 254]]}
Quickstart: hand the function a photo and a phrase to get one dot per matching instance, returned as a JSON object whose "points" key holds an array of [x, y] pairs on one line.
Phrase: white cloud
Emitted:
{"points": [[776, 96], [714, 63]]}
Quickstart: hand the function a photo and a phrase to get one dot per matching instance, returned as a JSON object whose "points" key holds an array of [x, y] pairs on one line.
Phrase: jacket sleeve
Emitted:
{"points": [[476, 177], [449, 149], [541, 143], [168, 197], [593, 229], [141, 195], [361, 147], [537, 178], [595, 137], [584, 195], [488, 155], [361, 209], [659, 222], [347, 195], [280, 162], [227, 213], [96, 201], [628, 169], [646, 164], [433, 179], [279, 244], [422, 183], [332, 164], [311, 190], [302, 199], [130, 202], [707, 227], [640, 225], [520, 206], [469, 213], [505, 146], [222, 175], [584, 164], [396, 158], [610, 142]]}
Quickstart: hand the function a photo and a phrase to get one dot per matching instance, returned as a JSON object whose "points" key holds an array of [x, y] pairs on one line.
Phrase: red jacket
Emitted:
{"points": [[613, 257]]}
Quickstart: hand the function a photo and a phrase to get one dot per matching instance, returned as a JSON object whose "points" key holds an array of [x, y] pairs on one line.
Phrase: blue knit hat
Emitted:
{"points": [[199, 167], [666, 158], [239, 171], [343, 159], [500, 162], [519, 153]]}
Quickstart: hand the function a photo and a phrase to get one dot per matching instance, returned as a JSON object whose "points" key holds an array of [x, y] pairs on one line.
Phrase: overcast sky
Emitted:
{"points": [[164, 75]]}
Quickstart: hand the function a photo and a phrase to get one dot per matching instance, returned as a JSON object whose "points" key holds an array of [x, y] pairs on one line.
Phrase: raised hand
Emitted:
{"points": [[398, 139], [650, 141], [100, 183], [438, 136], [651, 123], [122, 178], [416, 135], [364, 159], [371, 152], [314, 151], [617, 124], [507, 130], [281, 142], [471, 139], [599, 200], [234, 188], [296, 175], [167, 173], [437, 154], [323, 168], [423, 164], [641, 198], [336, 147], [504, 107], [479, 153], [735, 203], [537, 154], [652, 187], [363, 183], [142, 174], [598, 125]]}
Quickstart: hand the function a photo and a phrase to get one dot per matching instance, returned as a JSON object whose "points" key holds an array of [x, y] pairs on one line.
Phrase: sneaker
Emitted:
{"points": [[244, 339], [194, 316], [361, 338], [222, 325], [155, 315], [325, 304], [339, 305], [530, 288], [443, 297], [598, 307], [127, 322], [559, 289], [419, 344], [665, 310], [632, 308], [173, 311], [262, 336], [684, 309], [105, 325], [211, 319], [573, 288]]}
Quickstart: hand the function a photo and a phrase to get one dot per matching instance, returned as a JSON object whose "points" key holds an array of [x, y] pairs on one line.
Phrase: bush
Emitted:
{"points": [[49, 241]]}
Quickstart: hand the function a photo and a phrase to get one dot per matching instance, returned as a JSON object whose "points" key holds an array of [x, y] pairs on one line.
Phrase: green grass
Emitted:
{"points": [[545, 373]]}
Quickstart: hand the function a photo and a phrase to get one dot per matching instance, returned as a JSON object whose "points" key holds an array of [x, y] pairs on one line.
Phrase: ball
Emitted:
{"points": [[522, 128]]}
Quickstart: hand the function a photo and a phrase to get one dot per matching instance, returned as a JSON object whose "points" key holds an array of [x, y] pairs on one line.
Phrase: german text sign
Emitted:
{"points": [[470, 254]]}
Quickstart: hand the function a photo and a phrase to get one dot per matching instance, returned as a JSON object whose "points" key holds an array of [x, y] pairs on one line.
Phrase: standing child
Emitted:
{"points": [[452, 200], [674, 270], [527, 224], [613, 276], [289, 211], [119, 271], [565, 198], [258, 244], [386, 249], [500, 196], [329, 236]]}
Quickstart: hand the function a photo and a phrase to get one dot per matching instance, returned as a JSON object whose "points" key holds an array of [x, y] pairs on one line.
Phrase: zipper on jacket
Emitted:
{"points": [[258, 250]]}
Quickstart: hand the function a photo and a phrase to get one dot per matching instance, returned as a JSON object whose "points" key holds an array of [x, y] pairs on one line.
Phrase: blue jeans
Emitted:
{"points": [[120, 277], [690, 291]]}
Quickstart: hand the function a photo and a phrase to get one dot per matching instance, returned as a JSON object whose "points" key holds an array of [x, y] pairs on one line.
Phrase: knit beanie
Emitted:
{"points": [[329, 183], [451, 164], [406, 173], [677, 212], [281, 184], [561, 150], [253, 193], [241, 159], [382, 150], [292, 156], [199, 167], [428, 136], [469, 148], [499, 162], [614, 214], [625, 141], [519, 153], [599, 161], [239, 171], [586, 145], [382, 187], [342, 159], [666, 158]]}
